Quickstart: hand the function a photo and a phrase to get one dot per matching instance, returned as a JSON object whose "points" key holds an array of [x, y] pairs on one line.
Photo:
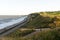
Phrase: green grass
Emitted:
{"points": [[39, 20], [45, 35], [44, 19], [20, 33], [50, 34], [17, 35]]}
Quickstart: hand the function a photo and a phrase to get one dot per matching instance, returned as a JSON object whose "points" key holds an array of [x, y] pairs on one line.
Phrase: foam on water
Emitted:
{"points": [[11, 22]]}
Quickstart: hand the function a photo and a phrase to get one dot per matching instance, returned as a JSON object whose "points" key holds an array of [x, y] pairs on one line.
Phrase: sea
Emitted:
{"points": [[5, 19]]}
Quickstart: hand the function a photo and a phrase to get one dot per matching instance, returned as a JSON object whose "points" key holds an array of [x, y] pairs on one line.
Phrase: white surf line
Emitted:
{"points": [[4, 25]]}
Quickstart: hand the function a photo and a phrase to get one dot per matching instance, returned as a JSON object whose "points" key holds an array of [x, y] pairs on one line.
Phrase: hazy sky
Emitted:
{"points": [[22, 7]]}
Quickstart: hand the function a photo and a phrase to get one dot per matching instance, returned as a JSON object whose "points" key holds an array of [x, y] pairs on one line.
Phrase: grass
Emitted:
{"points": [[17, 35], [50, 34], [43, 21], [51, 14], [39, 20], [20, 33], [53, 34]]}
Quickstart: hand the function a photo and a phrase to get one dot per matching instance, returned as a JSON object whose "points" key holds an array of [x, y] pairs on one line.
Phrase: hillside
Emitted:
{"points": [[39, 20], [44, 20], [50, 34]]}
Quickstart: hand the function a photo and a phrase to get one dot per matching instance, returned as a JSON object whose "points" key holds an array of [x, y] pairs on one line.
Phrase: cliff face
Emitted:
{"points": [[40, 20], [44, 20]]}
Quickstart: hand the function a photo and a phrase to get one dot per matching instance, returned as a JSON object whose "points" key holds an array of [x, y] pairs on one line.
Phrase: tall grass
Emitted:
{"points": [[45, 35]]}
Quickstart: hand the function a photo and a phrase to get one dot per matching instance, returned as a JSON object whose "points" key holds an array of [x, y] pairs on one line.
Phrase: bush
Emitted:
{"points": [[20, 33], [46, 35]]}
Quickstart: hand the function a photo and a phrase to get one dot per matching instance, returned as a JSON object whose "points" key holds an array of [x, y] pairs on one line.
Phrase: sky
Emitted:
{"points": [[25, 7]]}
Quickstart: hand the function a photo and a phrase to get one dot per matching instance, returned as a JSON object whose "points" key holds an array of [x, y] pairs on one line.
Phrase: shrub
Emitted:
{"points": [[46, 35]]}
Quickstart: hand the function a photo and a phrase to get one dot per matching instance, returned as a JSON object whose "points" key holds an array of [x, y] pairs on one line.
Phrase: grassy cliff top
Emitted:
{"points": [[41, 20], [44, 19], [49, 13]]}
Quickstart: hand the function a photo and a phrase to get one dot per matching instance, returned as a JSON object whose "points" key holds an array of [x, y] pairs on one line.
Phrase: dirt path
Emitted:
{"points": [[37, 30]]}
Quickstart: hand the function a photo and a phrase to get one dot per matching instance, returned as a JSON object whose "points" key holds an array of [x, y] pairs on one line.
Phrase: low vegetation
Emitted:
{"points": [[53, 34], [43, 20], [20, 33], [37, 21]]}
